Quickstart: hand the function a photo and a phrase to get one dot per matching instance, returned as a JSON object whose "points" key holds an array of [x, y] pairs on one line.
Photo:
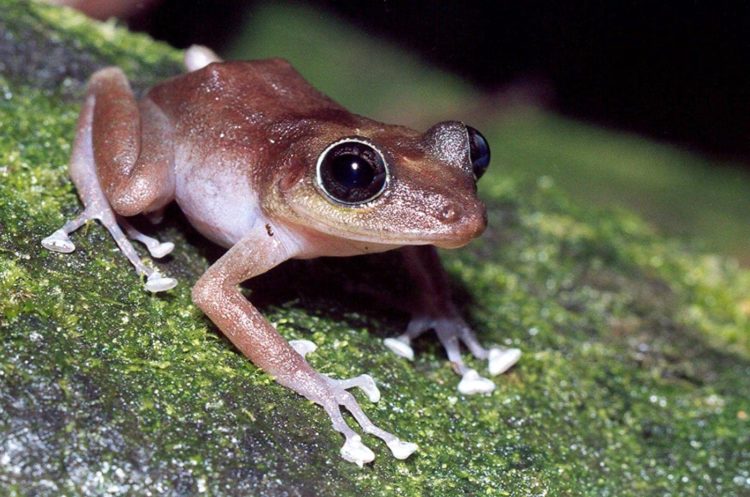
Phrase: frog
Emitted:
{"points": [[271, 169]]}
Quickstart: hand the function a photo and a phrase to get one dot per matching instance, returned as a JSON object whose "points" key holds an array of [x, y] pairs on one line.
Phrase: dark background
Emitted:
{"points": [[679, 72]]}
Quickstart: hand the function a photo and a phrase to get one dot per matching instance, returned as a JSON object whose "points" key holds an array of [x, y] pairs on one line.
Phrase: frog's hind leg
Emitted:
{"points": [[109, 91], [155, 281], [59, 241]]}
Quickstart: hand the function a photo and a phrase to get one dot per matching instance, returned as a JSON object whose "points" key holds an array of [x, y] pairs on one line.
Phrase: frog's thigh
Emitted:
{"points": [[131, 146]]}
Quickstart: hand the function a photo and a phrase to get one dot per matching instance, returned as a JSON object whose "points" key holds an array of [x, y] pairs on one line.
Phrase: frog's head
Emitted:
{"points": [[389, 185]]}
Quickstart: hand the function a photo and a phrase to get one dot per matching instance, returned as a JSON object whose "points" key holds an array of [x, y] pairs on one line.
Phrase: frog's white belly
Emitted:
{"points": [[222, 208]]}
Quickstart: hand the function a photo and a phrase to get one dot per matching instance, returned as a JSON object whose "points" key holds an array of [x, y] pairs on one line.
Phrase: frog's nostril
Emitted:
{"points": [[450, 213]]}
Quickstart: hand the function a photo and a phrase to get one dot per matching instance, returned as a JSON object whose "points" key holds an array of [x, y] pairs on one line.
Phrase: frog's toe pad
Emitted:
{"points": [[401, 449], [59, 242], [159, 283], [400, 347], [198, 57], [303, 347], [472, 383], [160, 250], [357, 452], [501, 360], [367, 384]]}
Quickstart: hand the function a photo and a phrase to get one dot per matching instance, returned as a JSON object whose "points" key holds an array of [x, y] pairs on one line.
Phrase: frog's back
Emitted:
{"points": [[243, 92]]}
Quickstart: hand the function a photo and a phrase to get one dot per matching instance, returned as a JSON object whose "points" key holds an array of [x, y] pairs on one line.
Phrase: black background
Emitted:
{"points": [[676, 71]]}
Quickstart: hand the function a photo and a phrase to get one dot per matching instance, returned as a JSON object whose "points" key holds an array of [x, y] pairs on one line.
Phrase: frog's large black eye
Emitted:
{"points": [[352, 172], [479, 152]]}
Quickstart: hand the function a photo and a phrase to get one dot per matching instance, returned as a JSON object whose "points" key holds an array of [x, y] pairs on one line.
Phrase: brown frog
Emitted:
{"points": [[265, 165]]}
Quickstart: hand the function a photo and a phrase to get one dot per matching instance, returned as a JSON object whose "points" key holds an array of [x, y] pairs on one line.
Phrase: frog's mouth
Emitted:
{"points": [[389, 233]]}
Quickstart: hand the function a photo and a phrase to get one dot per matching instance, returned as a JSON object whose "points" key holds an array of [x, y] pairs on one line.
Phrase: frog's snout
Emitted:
{"points": [[463, 222]]}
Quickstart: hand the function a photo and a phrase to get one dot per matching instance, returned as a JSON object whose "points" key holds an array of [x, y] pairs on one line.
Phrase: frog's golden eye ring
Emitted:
{"points": [[352, 171], [479, 152]]}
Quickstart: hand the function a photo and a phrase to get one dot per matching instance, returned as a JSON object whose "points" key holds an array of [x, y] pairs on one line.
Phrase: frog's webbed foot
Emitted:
{"points": [[59, 241], [333, 395], [452, 331]]}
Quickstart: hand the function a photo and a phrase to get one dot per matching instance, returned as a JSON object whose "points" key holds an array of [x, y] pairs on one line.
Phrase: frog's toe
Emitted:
{"points": [[471, 383], [400, 346], [198, 57], [160, 249], [59, 242], [157, 282], [303, 347], [501, 360], [156, 248], [355, 451], [400, 449], [364, 382]]}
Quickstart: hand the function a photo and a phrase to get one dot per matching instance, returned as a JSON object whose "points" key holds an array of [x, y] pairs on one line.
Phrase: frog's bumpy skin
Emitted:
{"points": [[452, 331], [354, 450]]}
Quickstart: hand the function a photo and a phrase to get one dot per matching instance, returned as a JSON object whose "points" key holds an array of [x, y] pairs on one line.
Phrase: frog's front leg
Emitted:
{"points": [[120, 168], [436, 311], [217, 294]]}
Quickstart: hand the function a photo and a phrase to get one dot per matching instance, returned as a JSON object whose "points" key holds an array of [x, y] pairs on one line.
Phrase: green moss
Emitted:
{"points": [[634, 379]]}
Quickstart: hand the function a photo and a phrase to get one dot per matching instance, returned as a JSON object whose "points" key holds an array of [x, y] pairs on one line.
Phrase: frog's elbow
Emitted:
{"points": [[206, 291]]}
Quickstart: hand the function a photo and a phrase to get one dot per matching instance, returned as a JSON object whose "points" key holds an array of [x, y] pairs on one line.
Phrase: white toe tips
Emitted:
{"points": [[401, 449], [370, 388], [357, 452], [303, 347], [501, 360], [198, 57], [59, 242], [159, 283], [400, 347], [472, 383], [160, 250]]}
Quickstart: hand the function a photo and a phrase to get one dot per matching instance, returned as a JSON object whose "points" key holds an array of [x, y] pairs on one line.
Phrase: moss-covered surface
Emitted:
{"points": [[635, 378]]}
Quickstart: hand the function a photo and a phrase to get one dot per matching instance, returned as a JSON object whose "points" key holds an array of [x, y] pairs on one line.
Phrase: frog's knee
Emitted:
{"points": [[133, 196]]}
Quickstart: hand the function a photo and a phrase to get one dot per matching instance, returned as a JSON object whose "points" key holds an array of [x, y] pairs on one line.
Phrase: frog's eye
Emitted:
{"points": [[479, 152], [351, 172]]}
